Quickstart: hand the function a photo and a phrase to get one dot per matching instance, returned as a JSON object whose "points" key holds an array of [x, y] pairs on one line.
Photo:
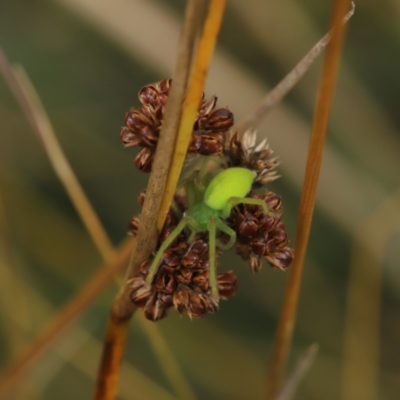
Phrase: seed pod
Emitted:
{"points": [[155, 93], [140, 293], [211, 144], [200, 246], [281, 258], [136, 120], [190, 260], [227, 284], [246, 225], [144, 159], [129, 138], [197, 305], [180, 298], [219, 120], [205, 109], [200, 280], [184, 276], [165, 283], [255, 262], [155, 309]]}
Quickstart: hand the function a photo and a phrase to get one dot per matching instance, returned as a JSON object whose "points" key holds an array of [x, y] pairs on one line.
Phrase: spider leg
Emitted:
{"points": [[233, 201], [230, 232], [212, 229], [167, 242]]}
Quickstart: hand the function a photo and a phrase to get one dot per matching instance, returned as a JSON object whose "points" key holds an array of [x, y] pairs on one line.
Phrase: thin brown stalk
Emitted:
{"points": [[66, 316], [30, 102], [205, 51], [37, 117], [122, 308], [298, 374], [274, 96], [307, 202]]}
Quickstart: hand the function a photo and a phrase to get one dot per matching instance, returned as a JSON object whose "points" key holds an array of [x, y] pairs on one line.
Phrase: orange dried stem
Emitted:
{"points": [[191, 104], [65, 317], [34, 110], [32, 106], [273, 97], [113, 351], [315, 151], [122, 308]]}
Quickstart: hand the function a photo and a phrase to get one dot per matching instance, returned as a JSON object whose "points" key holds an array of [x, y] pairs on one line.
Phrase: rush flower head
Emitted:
{"points": [[213, 212], [143, 125], [256, 157]]}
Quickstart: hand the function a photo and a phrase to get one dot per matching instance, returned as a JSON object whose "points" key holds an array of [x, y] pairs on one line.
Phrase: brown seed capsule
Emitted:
{"points": [[274, 202], [135, 120], [148, 94], [170, 259], [268, 223], [180, 298], [184, 276], [200, 246], [211, 144], [246, 224], [281, 258], [140, 293], [148, 137], [155, 93], [197, 305], [259, 244], [166, 299], [190, 260], [219, 120], [164, 85], [227, 284], [144, 159], [255, 262], [165, 283], [205, 109], [155, 309], [201, 281], [129, 138], [195, 143]]}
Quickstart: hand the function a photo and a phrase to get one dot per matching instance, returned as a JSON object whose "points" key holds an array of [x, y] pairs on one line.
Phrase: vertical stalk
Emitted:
{"points": [[205, 51], [307, 202], [166, 159]]}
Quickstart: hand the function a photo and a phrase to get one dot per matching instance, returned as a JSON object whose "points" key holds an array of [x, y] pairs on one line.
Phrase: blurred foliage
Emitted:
{"points": [[88, 75]]}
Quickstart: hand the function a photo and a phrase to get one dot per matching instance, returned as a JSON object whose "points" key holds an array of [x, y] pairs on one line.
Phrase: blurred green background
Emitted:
{"points": [[87, 60]]}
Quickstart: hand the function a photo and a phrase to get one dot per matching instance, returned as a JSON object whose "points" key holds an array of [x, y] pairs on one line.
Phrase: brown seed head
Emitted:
{"points": [[144, 159]]}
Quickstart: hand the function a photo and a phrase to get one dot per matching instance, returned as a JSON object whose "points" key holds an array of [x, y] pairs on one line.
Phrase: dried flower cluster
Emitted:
{"points": [[182, 277], [143, 125], [182, 280], [245, 153], [259, 235]]}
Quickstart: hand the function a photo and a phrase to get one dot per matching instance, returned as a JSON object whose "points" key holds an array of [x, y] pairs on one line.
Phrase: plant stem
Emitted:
{"points": [[274, 96], [122, 308], [307, 202], [65, 317], [191, 105]]}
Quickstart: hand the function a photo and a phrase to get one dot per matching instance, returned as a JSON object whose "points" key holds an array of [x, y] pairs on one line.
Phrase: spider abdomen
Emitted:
{"points": [[230, 183]]}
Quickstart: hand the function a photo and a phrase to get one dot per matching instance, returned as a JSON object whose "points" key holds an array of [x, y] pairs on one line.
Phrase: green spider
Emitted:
{"points": [[226, 190]]}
